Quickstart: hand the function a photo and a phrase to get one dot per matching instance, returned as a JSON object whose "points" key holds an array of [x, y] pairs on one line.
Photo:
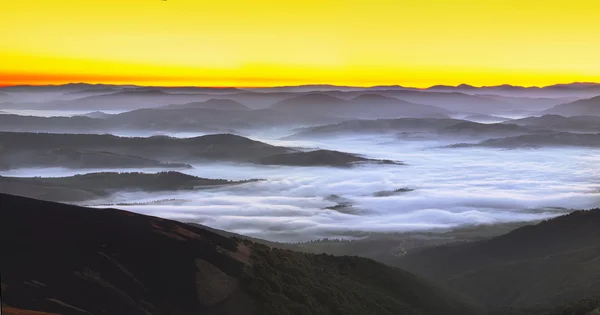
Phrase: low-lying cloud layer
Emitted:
{"points": [[452, 187]]}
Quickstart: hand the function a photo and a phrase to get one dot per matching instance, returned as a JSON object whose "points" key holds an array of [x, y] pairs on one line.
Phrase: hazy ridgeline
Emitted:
{"points": [[469, 156]]}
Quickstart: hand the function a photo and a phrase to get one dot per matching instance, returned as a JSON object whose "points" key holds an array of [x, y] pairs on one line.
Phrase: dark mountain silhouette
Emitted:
{"points": [[558, 139], [222, 147], [98, 185], [319, 158], [548, 264], [73, 260], [213, 103], [589, 106], [560, 123]]}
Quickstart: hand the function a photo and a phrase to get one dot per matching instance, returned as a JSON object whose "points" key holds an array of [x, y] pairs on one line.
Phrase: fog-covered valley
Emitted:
{"points": [[332, 163]]}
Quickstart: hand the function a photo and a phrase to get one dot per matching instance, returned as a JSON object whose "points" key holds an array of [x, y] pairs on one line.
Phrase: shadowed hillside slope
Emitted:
{"points": [[547, 264], [71, 260]]}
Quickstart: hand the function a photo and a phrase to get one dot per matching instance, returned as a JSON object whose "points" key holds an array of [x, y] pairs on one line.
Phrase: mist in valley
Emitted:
{"points": [[435, 187]]}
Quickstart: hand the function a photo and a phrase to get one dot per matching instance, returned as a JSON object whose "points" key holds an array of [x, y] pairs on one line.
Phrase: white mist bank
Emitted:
{"points": [[452, 187]]}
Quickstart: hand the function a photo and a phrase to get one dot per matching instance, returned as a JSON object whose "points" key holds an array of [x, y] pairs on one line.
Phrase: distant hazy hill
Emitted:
{"points": [[70, 260], [127, 99], [473, 129], [485, 118], [426, 128], [558, 90], [96, 115], [560, 123], [90, 150], [548, 264], [204, 119], [225, 147], [64, 88], [73, 158], [378, 126], [311, 102], [558, 139], [94, 90], [589, 106], [361, 106], [97, 185], [319, 158], [213, 103], [19, 123]]}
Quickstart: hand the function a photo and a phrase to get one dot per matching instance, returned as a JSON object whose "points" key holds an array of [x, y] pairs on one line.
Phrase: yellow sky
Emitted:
{"points": [[275, 42]]}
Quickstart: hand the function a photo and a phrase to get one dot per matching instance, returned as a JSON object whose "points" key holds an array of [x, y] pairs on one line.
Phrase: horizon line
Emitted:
{"points": [[302, 85]]}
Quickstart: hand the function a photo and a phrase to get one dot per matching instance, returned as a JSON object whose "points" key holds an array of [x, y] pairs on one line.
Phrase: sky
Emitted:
{"points": [[272, 42]]}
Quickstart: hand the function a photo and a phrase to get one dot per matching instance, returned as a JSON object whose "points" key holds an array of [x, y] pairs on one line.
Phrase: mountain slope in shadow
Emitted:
{"points": [[551, 263], [71, 260]]}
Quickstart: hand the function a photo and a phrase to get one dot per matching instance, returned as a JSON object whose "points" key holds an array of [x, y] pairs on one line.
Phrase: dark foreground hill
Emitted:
{"points": [[71, 260], [544, 265], [98, 185]]}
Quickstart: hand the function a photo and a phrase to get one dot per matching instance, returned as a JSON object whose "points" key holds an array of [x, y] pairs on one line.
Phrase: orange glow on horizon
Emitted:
{"points": [[274, 43]]}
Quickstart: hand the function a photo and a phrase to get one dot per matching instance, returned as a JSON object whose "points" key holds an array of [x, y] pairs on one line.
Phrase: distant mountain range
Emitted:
{"points": [[462, 98], [589, 106], [505, 89]]}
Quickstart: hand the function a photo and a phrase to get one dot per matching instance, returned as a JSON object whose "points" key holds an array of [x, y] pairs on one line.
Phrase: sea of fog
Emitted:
{"points": [[452, 187]]}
